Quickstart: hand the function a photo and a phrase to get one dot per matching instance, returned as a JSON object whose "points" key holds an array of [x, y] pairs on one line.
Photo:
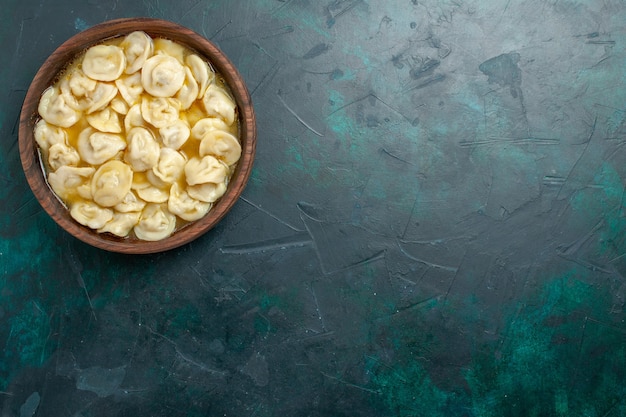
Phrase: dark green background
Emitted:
{"points": [[434, 225]]}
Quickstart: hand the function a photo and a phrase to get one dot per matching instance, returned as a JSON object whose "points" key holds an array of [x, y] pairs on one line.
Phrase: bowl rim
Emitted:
{"points": [[50, 70]]}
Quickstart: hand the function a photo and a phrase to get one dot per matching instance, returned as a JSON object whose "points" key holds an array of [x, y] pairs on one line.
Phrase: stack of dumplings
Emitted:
{"points": [[138, 137]]}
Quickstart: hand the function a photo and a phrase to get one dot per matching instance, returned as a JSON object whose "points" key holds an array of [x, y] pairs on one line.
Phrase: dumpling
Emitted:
{"points": [[47, 135], [207, 169], [150, 188], [176, 135], [90, 214], [61, 154], [130, 88], [121, 224], [201, 71], [104, 62], [209, 192], [137, 46], [188, 93], [153, 194], [155, 223], [120, 106], [96, 147], [162, 76], [160, 112], [99, 98], [222, 145], [206, 125], [79, 84], [130, 203], [185, 207], [143, 150], [217, 103], [55, 109], [169, 48], [87, 94], [65, 180], [171, 165], [134, 118], [107, 120], [111, 183]]}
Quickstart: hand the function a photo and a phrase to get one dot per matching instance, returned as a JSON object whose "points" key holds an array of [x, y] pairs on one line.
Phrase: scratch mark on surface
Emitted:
{"points": [[430, 264], [77, 267], [600, 42], [283, 30], [337, 9], [261, 209], [295, 241], [316, 51], [375, 97], [385, 151], [317, 308], [350, 384], [219, 30], [417, 305], [571, 171], [376, 257], [190, 9], [425, 83], [296, 115], [267, 78], [510, 141], [185, 357], [285, 3], [453, 280]]}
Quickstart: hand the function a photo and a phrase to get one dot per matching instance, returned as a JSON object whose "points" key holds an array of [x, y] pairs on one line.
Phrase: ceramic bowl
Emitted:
{"points": [[48, 74]]}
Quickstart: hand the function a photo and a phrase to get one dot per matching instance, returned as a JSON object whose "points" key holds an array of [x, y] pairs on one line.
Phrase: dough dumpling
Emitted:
{"points": [[169, 48], [130, 88], [176, 135], [155, 223], [90, 214], [55, 109], [86, 94], [99, 98], [104, 62], [47, 135], [207, 169], [217, 103], [61, 154], [222, 145], [130, 203], [201, 71], [95, 147], [111, 183], [79, 84], [137, 46], [160, 112], [65, 180], [171, 165], [209, 192], [185, 207], [134, 118], [107, 120], [120, 106], [121, 224], [143, 150], [162, 76], [188, 93], [206, 125], [153, 194]]}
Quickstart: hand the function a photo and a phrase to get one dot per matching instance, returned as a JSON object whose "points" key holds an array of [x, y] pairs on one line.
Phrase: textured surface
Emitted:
{"points": [[434, 223]]}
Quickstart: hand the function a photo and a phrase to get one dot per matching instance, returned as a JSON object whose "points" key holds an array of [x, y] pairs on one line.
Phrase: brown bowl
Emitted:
{"points": [[47, 75]]}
